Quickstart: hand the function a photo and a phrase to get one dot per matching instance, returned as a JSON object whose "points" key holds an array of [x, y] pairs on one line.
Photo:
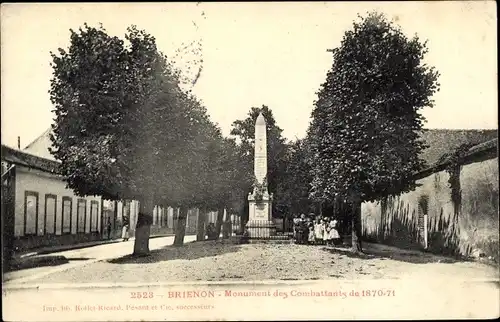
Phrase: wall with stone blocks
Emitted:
{"points": [[475, 231]]}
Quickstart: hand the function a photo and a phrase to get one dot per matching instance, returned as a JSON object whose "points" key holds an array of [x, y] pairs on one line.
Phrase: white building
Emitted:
{"points": [[40, 211]]}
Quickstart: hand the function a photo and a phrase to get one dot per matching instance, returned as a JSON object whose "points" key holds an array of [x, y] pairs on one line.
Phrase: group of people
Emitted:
{"points": [[316, 230], [125, 230]]}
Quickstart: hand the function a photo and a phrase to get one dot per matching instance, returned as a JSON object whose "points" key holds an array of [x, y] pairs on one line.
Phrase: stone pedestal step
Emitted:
{"points": [[270, 241]]}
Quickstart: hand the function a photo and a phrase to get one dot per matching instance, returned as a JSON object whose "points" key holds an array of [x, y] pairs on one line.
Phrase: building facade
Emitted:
{"points": [[38, 210], [164, 218]]}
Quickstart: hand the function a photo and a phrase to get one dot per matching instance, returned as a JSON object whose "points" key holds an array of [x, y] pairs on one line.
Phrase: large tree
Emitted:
{"points": [[294, 185], [226, 183], [215, 181], [364, 133], [244, 130], [184, 161], [124, 129]]}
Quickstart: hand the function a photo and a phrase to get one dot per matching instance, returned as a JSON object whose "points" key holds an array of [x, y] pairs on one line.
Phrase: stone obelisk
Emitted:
{"points": [[260, 224]]}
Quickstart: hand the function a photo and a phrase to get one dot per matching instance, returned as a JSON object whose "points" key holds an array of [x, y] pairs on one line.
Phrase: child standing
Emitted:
{"points": [[125, 232], [334, 234], [326, 231], [318, 231]]}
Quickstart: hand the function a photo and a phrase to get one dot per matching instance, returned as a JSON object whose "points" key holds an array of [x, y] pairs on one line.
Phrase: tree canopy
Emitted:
{"points": [[365, 125], [294, 185]]}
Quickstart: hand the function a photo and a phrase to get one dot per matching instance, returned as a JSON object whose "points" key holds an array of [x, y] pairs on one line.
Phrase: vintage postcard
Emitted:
{"points": [[249, 161]]}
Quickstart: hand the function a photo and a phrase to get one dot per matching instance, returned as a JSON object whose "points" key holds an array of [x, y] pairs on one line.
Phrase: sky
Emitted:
{"points": [[254, 53]]}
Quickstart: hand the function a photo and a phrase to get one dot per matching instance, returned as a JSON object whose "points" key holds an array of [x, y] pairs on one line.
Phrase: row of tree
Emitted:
{"points": [[125, 129], [363, 142]]}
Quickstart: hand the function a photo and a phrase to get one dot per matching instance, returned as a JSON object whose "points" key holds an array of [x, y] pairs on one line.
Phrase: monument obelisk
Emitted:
{"points": [[260, 224]]}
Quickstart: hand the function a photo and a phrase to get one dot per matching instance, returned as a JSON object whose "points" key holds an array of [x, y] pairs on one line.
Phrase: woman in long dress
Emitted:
{"points": [[310, 237], [303, 230], [125, 232]]}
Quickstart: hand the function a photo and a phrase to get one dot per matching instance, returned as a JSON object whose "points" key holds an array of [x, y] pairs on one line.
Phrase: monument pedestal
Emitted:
{"points": [[260, 224]]}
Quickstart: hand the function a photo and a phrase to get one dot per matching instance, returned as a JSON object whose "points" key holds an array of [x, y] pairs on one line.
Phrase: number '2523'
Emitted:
{"points": [[141, 295]]}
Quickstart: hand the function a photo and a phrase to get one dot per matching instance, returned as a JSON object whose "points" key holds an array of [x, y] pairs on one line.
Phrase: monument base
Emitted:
{"points": [[260, 224], [260, 229]]}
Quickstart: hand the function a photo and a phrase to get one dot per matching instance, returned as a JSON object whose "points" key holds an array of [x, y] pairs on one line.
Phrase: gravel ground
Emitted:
{"points": [[222, 260]]}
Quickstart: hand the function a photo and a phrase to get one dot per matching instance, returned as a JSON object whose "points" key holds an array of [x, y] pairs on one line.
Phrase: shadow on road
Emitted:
{"points": [[378, 251], [189, 251], [41, 261]]}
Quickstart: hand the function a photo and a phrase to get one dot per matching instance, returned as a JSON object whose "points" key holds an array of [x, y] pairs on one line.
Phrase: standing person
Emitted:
{"points": [[125, 232], [326, 231], [310, 237], [318, 231], [298, 230], [108, 227], [304, 230], [334, 234]]}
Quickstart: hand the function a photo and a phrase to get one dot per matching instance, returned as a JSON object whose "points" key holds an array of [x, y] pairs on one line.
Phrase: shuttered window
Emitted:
{"points": [[50, 214]]}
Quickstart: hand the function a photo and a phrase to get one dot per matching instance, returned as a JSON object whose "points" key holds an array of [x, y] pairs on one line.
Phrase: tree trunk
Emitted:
{"points": [[200, 225], [226, 231], [220, 220], [180, 230], [143, 227], [356, 228], [244, 216], [383, 211]]}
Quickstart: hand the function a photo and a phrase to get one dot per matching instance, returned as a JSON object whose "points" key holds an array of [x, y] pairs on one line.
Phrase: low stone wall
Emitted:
{"points": [[32, 242], [474, 230], [479, 224]]}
